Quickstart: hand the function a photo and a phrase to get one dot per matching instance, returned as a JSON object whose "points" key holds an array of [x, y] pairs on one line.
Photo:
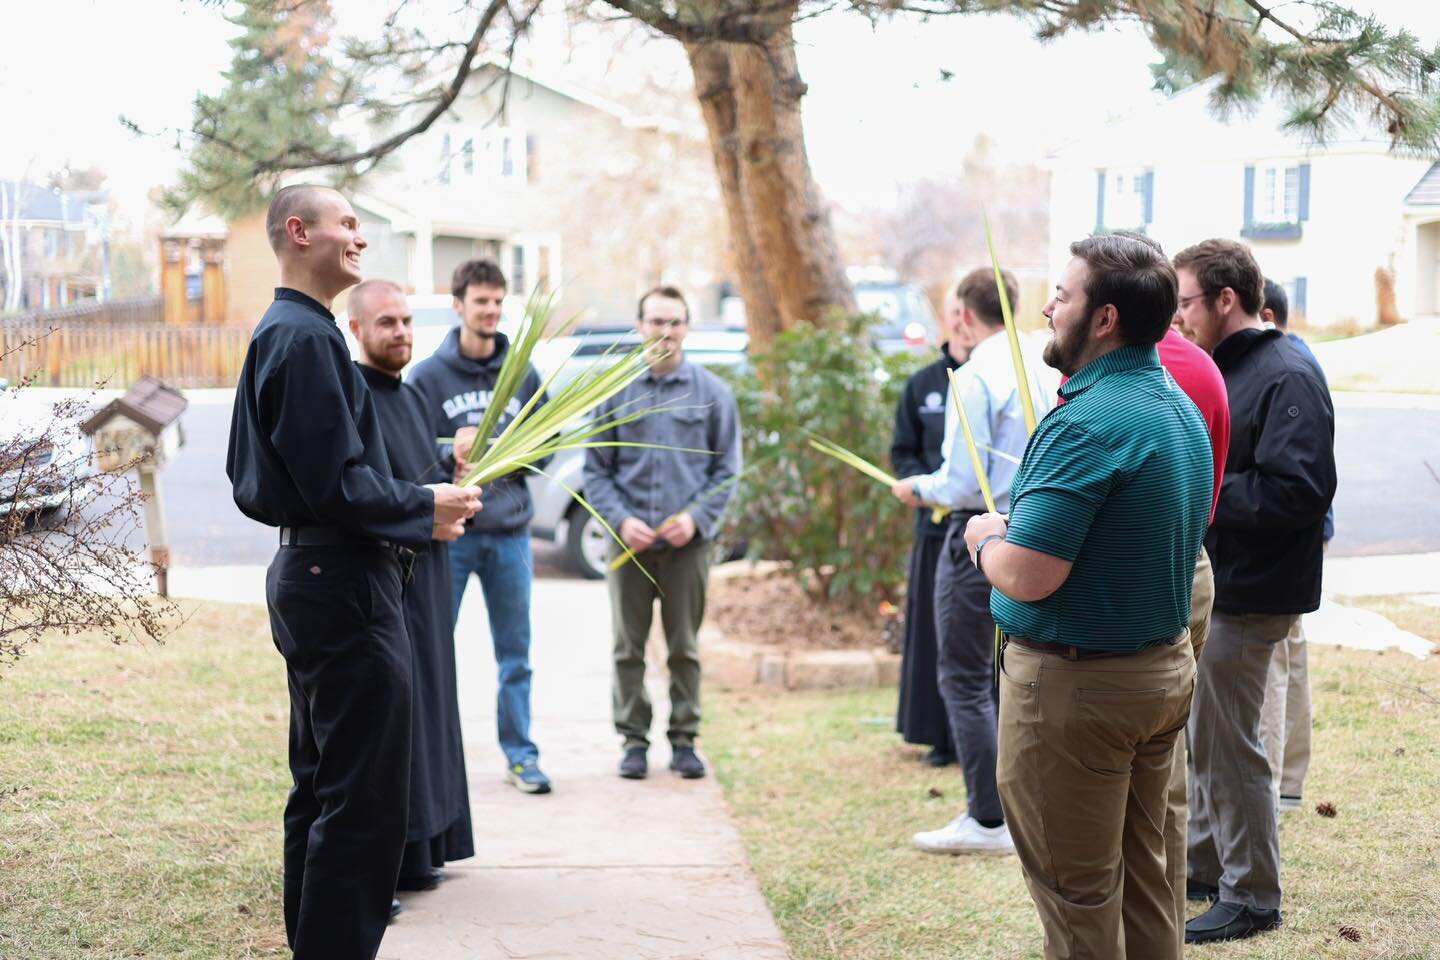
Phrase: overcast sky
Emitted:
{"points": [[878, 112]]}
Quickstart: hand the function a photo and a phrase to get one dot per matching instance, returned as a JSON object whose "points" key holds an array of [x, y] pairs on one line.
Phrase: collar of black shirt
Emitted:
{"points": [[286, 293], [378, 379]]}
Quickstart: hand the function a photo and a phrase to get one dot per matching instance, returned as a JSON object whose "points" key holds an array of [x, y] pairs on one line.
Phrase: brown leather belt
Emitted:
{"points": [[1068, 651]]}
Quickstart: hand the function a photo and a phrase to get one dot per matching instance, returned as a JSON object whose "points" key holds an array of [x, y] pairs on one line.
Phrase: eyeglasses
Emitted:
{"points": [[1180, 304], [659, 323]]}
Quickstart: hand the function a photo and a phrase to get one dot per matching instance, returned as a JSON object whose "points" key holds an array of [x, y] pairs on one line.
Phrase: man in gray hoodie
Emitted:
{"points": [[457, 383]]}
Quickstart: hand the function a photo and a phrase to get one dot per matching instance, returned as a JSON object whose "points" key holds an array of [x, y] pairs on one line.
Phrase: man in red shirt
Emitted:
{"points": [[1196, 374]]}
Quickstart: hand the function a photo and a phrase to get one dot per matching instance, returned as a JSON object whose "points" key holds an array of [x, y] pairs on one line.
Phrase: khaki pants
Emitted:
{"points": [[1285, 718], [1177, 812], [1085, 758], [682, 575]]}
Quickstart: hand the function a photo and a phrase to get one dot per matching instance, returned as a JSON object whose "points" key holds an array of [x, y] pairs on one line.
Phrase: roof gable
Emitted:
{"points": [[1426, 193]]}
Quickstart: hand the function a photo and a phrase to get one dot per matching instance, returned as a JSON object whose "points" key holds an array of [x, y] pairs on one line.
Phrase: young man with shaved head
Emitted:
{"points": [[306, 455], [439, 825]]}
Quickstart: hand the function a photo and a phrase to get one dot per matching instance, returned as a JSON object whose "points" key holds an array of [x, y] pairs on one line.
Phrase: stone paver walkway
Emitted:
{"points": [[601, 869]]}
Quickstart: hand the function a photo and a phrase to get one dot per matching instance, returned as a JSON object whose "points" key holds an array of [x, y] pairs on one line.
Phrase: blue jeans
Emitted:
{"points": [[503, 564]]}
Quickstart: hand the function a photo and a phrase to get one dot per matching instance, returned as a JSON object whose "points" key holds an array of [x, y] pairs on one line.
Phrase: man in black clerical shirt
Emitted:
{"points": [[306, 455], [439, 828]]}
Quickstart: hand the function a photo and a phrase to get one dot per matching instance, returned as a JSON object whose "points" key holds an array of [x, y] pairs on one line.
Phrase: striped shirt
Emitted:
{"points": [[1117, 480]]}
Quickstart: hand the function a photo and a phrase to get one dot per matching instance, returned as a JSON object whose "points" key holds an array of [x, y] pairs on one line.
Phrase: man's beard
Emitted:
{"points": [[1063, 354], [386, 362]]}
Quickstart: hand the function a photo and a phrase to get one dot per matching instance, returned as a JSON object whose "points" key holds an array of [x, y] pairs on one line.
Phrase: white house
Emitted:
{"points": [[1321, 219], [564, 188]]}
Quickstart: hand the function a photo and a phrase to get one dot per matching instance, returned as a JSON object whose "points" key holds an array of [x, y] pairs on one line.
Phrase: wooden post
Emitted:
{"points": [[172, 279], [155, 529], [212, 287]]}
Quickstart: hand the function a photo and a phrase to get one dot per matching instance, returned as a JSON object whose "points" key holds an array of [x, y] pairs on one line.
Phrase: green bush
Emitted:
{"points": [[842, 534]]}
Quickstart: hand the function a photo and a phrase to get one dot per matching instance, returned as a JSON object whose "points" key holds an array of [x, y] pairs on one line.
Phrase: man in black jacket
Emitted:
{"points": [[1265, 544], [919, 432]]}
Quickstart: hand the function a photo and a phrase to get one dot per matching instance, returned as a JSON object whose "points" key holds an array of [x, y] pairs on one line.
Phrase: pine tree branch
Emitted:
{"points": [[288, 161], [1397, 110]]}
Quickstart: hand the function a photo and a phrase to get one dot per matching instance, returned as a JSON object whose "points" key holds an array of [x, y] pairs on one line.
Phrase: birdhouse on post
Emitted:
{"points": [[141, 431]]}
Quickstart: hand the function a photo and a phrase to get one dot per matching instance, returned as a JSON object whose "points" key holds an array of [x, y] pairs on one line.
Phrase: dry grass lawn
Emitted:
{"points": [[827, 799]]}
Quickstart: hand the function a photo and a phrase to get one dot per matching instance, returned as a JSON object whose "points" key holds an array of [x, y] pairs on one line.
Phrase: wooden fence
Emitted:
{"points": [[56, 350]]}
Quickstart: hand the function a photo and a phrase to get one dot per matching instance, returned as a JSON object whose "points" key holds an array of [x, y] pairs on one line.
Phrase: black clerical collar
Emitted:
{"points": [[286, 293], [378, 379]]}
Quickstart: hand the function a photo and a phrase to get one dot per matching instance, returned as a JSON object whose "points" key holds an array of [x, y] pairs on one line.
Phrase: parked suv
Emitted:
{"points": [[906, 322]]}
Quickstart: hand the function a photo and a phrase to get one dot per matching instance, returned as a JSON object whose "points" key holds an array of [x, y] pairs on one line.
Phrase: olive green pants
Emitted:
{"points": [[680, 579]]}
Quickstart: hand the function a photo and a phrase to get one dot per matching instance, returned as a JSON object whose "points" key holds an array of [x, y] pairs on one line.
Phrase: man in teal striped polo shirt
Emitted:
{"points": [[1092, 575]]}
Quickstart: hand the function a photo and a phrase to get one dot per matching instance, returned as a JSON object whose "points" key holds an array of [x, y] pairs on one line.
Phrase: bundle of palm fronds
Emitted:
{"points": [[539, 431]]}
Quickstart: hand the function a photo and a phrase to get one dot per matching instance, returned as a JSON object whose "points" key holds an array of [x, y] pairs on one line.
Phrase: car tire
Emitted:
{"points": [[586, 544]]}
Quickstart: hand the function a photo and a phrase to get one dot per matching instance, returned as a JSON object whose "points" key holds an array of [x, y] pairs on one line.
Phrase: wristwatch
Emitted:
{"points": [[981, 546]]}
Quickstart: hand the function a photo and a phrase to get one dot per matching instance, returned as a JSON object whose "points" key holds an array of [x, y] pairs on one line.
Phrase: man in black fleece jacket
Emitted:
{"points": [[457, 383], [1265, 546]]}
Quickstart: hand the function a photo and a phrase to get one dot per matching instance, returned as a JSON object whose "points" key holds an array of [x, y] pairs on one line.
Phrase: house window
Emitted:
{"points": [[542, 267], [532, 158], [467, 157], [1125, 199], [1277, 194], [517, 270]]}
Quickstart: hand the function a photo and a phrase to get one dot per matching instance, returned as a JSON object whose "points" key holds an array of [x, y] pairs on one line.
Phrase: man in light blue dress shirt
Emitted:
{"points": [[964, 629]]}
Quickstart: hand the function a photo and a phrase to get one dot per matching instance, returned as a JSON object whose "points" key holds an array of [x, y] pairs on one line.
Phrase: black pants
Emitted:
{"points": [[336, 617], [965, 668]]}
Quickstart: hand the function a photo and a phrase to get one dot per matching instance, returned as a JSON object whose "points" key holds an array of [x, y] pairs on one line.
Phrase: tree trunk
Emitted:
{"points": [[780, 229], [714, 88]]}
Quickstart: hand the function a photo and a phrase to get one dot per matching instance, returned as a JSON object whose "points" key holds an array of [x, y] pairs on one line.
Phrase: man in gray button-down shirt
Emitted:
{"points": [[665, 504]]}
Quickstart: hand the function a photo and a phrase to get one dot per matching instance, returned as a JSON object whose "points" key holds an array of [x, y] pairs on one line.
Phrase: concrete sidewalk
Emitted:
{"points": [[602, 868]]}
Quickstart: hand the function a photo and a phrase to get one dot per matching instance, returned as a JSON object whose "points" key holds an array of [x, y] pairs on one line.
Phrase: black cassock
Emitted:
{"points": [[439, 828], [919, 434]]}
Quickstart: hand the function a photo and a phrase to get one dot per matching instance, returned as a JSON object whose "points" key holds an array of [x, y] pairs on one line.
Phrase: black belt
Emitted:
{"points": [[1071, 652], [328, 537]]}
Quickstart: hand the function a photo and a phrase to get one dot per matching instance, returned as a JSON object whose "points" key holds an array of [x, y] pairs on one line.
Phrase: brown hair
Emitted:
{"points": [[482, 272], [1131, 274], [1218, 264], [982, 297], [664, 290]]}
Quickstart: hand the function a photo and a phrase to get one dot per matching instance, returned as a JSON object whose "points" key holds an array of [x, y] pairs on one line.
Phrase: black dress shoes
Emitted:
{"points": [[1230, 921], [395, 908], [938, 758], [428, 880]]}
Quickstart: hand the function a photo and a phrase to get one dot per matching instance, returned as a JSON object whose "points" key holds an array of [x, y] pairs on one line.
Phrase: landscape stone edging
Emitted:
{"points": [[733, 665]]}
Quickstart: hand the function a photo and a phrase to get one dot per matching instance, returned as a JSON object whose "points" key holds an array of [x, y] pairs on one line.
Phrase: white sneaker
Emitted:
{"points": [[964, 835], [1289, 804]]}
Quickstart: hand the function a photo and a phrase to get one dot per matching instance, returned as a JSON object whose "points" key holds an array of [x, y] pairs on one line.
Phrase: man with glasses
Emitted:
{"points": [[664, 499], [1265, 544]]}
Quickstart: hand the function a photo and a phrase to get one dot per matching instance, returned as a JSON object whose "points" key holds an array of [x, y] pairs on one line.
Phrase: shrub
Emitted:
{"points": [[840, 533]]}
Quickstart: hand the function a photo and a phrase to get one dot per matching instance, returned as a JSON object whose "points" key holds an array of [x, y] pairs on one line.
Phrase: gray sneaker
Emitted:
{"points": [[685, 762], [634, 765]]}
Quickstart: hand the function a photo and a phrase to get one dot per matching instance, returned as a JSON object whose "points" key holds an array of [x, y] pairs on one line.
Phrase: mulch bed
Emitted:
{"points": [[772, 609]]}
